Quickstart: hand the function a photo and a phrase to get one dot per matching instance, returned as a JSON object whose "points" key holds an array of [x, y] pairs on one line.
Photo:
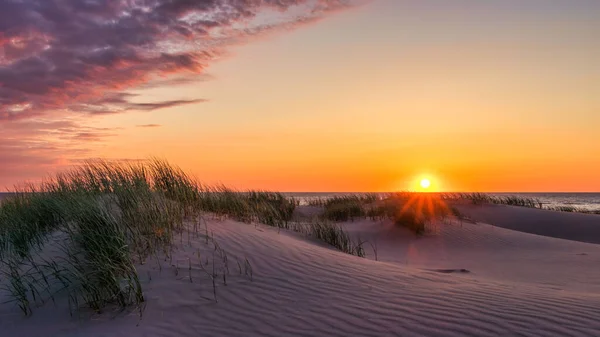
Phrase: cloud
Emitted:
{"points": [[149, 126], [89, 136], [61, 54], [64, 61], [30, 149], [112, 103], [177, 80]]}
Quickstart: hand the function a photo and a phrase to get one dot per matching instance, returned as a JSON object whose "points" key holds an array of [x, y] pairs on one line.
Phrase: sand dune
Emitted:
{"points": [[465, 280], [488, 252], [564, 225]]}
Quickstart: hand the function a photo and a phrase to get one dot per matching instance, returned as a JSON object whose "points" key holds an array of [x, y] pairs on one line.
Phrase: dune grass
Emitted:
{"points": [[414, 211], [573, 209], [270, 208], [94, 264], [333, 235], [103, 218], [345, 207], [569, 209], [107, 213], [511, 200], [483, 198]]}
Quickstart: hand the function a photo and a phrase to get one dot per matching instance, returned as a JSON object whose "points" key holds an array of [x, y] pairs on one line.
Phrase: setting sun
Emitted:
{"points": [[425, 183]]}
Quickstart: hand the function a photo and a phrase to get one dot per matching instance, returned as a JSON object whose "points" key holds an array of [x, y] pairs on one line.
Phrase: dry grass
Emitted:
{"points": [[482, 198], [111, 216], [332, 234], [572, 209], [414, 211]]}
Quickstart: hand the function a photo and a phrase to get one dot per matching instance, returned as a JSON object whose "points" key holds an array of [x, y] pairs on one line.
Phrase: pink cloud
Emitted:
{"points": [[29, 149], [62, 54], [62, 61]]}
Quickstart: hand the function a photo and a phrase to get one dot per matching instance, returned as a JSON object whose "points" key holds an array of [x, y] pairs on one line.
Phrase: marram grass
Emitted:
{"points": [[105, 217], [413, 211], [482, 198]]}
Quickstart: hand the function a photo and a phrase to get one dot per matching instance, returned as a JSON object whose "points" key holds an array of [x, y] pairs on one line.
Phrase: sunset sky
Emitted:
{"points": [[322, 95]]}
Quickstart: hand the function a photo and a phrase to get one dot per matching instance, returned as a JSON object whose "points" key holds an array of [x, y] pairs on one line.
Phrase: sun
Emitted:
{"points": [[425, 183]]}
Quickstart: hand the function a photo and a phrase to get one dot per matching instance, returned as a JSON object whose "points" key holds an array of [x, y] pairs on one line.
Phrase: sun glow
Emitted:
{"points": [[425, 183]]}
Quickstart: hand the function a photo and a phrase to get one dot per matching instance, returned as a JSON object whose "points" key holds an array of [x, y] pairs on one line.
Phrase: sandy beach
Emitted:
{"points": [[465, 278], [340, 168]]}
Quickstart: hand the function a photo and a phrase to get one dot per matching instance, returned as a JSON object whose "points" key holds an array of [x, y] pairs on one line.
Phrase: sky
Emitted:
{"points": [[307, 95]]}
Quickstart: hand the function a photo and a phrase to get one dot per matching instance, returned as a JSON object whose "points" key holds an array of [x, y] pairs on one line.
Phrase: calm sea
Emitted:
{"points": [[588, 201]]}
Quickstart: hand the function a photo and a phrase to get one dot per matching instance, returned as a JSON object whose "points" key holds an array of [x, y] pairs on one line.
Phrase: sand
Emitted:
{"points": [[464, 279], [572, 226]]}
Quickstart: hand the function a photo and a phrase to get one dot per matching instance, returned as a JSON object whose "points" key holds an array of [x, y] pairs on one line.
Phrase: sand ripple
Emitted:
{"points": [[300, 288]]}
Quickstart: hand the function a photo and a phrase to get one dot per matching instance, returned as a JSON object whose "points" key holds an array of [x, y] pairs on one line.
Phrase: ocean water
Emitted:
{"points": [[585, 201]]}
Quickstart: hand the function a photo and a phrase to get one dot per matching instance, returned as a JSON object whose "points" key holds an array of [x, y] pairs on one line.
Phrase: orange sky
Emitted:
{"points": [[488, 97]]}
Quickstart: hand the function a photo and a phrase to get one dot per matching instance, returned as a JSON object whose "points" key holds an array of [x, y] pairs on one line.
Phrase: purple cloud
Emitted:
{"points": [[118, 102], [64, 59], [61, 54]]}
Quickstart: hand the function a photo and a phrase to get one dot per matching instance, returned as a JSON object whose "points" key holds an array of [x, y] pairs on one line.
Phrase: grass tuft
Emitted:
{"points": [[104, 217], [482, 198], [414, 211]]}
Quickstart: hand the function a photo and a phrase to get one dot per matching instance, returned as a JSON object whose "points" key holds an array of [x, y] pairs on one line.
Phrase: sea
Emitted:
{"points": [[583, 201]]}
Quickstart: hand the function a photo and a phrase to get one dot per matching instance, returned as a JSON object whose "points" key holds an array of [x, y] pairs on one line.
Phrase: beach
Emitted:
{"points": [[463, 278], [343, 168]]}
